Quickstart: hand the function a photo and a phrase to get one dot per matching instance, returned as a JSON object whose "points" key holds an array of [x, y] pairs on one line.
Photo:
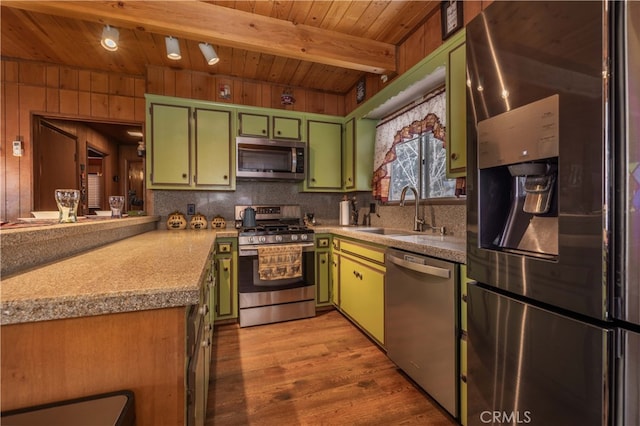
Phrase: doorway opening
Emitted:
{"points": [[95, 180], [90, 156]]}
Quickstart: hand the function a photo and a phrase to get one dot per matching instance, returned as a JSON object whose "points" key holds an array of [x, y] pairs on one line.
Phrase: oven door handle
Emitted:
{"points": [[252, 249]]}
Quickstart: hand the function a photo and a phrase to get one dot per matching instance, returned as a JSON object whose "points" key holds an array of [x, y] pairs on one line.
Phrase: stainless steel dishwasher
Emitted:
{"points": [[421, 322]]}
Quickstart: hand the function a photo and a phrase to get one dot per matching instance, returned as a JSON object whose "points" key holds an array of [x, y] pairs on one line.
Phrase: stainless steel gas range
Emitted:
{"points": [[276, 278]]}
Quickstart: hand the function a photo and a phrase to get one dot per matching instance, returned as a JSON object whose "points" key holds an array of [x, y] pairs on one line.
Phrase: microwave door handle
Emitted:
{"points": [[294, 160]]}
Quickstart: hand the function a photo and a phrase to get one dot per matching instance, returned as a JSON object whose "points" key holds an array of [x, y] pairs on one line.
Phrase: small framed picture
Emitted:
{"points": [[451, 14], [361, 90]]}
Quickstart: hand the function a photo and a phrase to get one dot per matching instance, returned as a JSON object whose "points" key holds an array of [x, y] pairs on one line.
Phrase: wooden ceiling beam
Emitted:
{"points": [[204, 22]]}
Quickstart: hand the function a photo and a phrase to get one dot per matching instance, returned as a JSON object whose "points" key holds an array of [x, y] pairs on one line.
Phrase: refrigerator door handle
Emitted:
{"points": [[417, 267]]}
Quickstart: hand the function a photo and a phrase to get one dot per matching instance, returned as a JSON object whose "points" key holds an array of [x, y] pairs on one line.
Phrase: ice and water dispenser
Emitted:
{"points": [[518, 177]]}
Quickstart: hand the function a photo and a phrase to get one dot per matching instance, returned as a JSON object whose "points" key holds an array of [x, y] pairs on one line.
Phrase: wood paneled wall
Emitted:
{"points": [[30, 88], [204, 86]]}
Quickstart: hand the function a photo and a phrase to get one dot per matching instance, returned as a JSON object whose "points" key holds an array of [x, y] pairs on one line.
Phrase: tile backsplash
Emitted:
{"points": [[211, 203], [324, 205]]}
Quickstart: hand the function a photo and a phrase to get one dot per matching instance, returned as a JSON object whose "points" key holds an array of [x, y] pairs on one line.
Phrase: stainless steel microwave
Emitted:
{"points": [[268, 159]]}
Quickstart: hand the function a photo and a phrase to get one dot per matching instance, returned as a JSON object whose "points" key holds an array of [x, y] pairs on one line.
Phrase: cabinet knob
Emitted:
{"points": [[206, 343], [204, 309], [184, 176], [226, 269], [225, 177], [454, 156], [279, 132], [313, 179], [463, 378], [323, 261], [264, 132]]}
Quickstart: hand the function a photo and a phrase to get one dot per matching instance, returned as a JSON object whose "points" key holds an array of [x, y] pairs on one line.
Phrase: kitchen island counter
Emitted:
{"points": [[157, 269], [446, 247]]}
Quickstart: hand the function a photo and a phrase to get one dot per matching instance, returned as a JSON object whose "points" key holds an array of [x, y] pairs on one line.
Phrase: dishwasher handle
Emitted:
{"points": [[418, 267]]}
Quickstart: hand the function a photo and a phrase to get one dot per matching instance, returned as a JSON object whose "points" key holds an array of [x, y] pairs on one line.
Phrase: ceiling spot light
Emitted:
{"points": [[209, 53], [173, 48], [110, 38]]}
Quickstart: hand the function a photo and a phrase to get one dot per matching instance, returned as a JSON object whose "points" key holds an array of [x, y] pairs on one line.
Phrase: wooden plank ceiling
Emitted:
{"points": [[320, 45]]}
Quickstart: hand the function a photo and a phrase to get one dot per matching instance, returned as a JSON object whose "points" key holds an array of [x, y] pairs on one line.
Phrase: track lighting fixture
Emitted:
{"points": [[173, 48], [209, 53], [110, 38]]}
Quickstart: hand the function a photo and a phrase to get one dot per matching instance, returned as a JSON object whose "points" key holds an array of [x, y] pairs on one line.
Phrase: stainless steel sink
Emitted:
{"points": [[384, 231]]}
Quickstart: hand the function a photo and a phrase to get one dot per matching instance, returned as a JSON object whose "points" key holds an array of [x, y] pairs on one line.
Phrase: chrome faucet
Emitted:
{"points": [[417, 221]]}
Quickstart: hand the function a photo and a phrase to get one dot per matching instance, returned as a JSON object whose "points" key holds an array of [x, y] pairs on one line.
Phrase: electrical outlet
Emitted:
{"points": [[191, 209]]}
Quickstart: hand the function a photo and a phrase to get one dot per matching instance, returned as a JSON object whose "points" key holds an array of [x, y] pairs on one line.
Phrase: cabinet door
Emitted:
{"points": [[456, 112], [253, 125], [287, 128], [348, 160], [364, 146], [214, 149], [225, 296], [362, 295], [324, 155], [323, 274], [169, 153], [335, 279]]}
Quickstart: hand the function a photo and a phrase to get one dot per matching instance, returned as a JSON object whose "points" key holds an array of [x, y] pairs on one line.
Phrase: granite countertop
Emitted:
{"points": [[447, 247], [156, 269], [31, 246], [153, 270]]}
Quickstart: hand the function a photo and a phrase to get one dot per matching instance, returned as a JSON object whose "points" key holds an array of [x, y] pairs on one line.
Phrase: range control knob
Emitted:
{"points": [[250, 239], [294, 237], [262, 239], [278, 238], [303, 237]]}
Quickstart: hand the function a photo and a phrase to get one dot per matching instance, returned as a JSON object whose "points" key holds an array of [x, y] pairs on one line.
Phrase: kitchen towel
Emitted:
{"points": [[279, 262], [344, 213]]}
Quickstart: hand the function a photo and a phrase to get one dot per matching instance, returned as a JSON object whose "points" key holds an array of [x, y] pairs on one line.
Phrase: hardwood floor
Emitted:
{"points": [[316, 371]]}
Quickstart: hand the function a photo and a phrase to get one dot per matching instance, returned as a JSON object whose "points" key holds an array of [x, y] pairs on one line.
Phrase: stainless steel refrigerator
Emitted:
{"points": [[553, 212]]}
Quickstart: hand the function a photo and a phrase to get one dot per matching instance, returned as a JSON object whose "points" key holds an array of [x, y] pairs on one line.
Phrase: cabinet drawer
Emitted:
{"points": [[322, 242], [224, 248], [368, 252]]}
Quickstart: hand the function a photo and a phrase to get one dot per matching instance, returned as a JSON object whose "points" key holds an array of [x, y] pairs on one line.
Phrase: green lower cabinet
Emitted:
{"points": [[362, 294], [323, 277], [323, 269], [463, 380], [226, 261], [335, 279]]}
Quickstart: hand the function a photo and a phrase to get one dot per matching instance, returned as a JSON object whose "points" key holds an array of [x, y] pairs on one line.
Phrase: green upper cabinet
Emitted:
{"points": [[256, 125], [169, 145], [348, 156], [324, 156], [189, 145], [457, 111], [287, 128], [361, 163], [265, 125], [214, 152]]}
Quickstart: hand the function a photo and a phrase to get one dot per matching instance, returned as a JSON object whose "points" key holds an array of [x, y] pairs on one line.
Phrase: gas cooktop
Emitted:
{"points": [[275, 224]]}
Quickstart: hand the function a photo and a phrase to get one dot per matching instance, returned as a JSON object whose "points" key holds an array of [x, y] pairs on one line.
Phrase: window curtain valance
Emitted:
{"points": [[428, 115]]}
